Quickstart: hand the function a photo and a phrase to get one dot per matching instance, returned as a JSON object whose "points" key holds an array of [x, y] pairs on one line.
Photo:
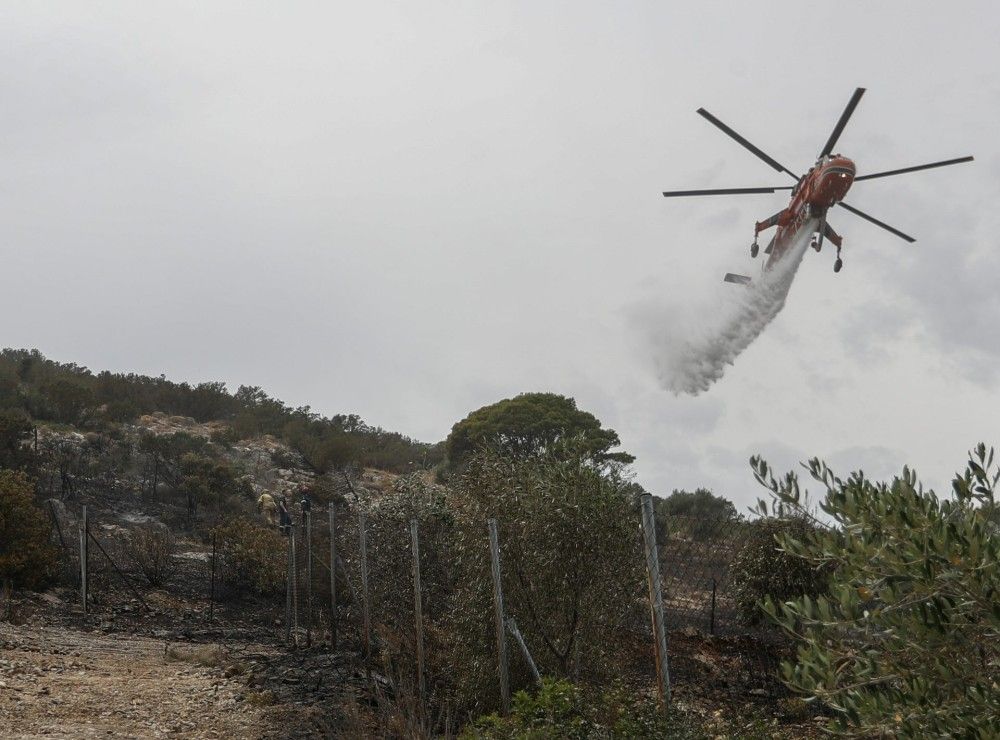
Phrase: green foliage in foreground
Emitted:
{"points": [[559, 709], [906, 643]]}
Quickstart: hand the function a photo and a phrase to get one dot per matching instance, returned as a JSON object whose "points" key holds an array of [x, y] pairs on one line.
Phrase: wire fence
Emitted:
{"points": [[349, 577], [696, 555]]}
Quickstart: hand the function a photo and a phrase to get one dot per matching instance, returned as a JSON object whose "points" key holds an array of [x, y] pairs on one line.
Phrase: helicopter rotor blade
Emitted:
{"points": [[875, 221], [722, 191], [844, 118], [889, 173], [743, 142]]}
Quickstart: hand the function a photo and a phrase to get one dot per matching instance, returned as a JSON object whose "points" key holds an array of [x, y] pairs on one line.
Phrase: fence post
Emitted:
{"points": [[498, 606], [84, 531], [512, 626], [365, 613], [309, 579], [288, 587], [295, 589], [711, 619], [655, 598], [418, 612], [333, 577], [211, 597]]}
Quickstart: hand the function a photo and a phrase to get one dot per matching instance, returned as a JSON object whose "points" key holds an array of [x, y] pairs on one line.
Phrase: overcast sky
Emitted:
{"points": [[410, 210]]}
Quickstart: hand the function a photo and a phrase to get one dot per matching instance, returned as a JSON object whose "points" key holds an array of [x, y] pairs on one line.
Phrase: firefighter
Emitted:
{"points": [[284, 517], [268, 508], [305, 500]]}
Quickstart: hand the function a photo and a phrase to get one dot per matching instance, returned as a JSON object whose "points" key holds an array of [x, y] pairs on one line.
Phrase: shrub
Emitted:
{"points": [[905, 645], [27, 559], [570, 559], [224, 437], [564, 710], [762, 569], [15, 431], [252, 558], [151, 550]]}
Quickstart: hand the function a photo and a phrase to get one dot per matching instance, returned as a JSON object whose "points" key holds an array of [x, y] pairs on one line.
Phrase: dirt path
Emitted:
{"points": [[58, 682]]}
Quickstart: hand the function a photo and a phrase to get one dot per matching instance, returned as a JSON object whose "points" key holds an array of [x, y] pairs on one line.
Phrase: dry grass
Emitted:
{"points": [[260, 698], [211, 656]]}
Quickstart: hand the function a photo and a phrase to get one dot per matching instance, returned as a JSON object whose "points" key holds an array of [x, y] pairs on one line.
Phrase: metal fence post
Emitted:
{"points": [[418, 612], [309, 578], [211, 596], [512, 627], [84, 531], [333, 577], [655, 598], [498, 606], [295, 589], [366, 624], [711, 619], [288, 588]]}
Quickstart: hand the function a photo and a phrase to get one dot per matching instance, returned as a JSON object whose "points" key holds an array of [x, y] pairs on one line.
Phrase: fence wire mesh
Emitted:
{"points": [[360, 593]]}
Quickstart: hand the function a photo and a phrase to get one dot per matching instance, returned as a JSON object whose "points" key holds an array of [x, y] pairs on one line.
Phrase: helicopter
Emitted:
{"points": [[821, 188]]}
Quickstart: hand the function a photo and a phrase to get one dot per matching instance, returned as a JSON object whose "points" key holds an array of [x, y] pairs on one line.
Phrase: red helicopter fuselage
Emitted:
{"points": [[817, 191]]}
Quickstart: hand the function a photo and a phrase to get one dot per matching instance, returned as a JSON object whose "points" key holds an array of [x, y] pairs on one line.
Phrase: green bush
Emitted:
{"points": [[762, 569], [253, 558], [27, 559], [15, 433], [571, 564], [561, 709], [905, 645]]}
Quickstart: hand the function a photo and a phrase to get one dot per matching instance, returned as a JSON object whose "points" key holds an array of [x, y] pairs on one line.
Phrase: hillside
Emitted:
{"points": [[67, 394], [190, 588]]}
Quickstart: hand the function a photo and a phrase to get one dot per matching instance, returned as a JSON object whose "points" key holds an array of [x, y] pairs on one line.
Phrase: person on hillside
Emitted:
{"points": [[268, 508], [284, 517], [305, 500]]}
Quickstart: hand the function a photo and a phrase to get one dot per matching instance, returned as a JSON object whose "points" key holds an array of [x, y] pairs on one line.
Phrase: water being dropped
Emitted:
{"points": [[692, 351]]}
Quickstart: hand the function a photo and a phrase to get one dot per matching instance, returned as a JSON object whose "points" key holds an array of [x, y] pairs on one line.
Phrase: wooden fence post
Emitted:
{"points": [[498, 607], [655, 599], [418, 613], [333, 577]]}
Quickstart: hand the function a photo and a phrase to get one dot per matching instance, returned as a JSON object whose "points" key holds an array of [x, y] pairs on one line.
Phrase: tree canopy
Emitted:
{"points": [[700, 503], [530, 424]]}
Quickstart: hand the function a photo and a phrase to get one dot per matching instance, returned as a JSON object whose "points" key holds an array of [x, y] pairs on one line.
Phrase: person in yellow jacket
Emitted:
{"points": [[267, 506]]}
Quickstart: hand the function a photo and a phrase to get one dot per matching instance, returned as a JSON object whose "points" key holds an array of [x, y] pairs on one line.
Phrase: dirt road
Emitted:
{"points": [[58, 682]]}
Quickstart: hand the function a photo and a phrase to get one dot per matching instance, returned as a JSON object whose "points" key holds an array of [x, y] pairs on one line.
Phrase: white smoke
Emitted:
{"points": [[693, 354]]}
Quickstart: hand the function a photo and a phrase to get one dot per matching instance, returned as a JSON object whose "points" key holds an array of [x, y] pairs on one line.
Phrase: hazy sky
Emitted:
{"points": [[410, 210]]}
